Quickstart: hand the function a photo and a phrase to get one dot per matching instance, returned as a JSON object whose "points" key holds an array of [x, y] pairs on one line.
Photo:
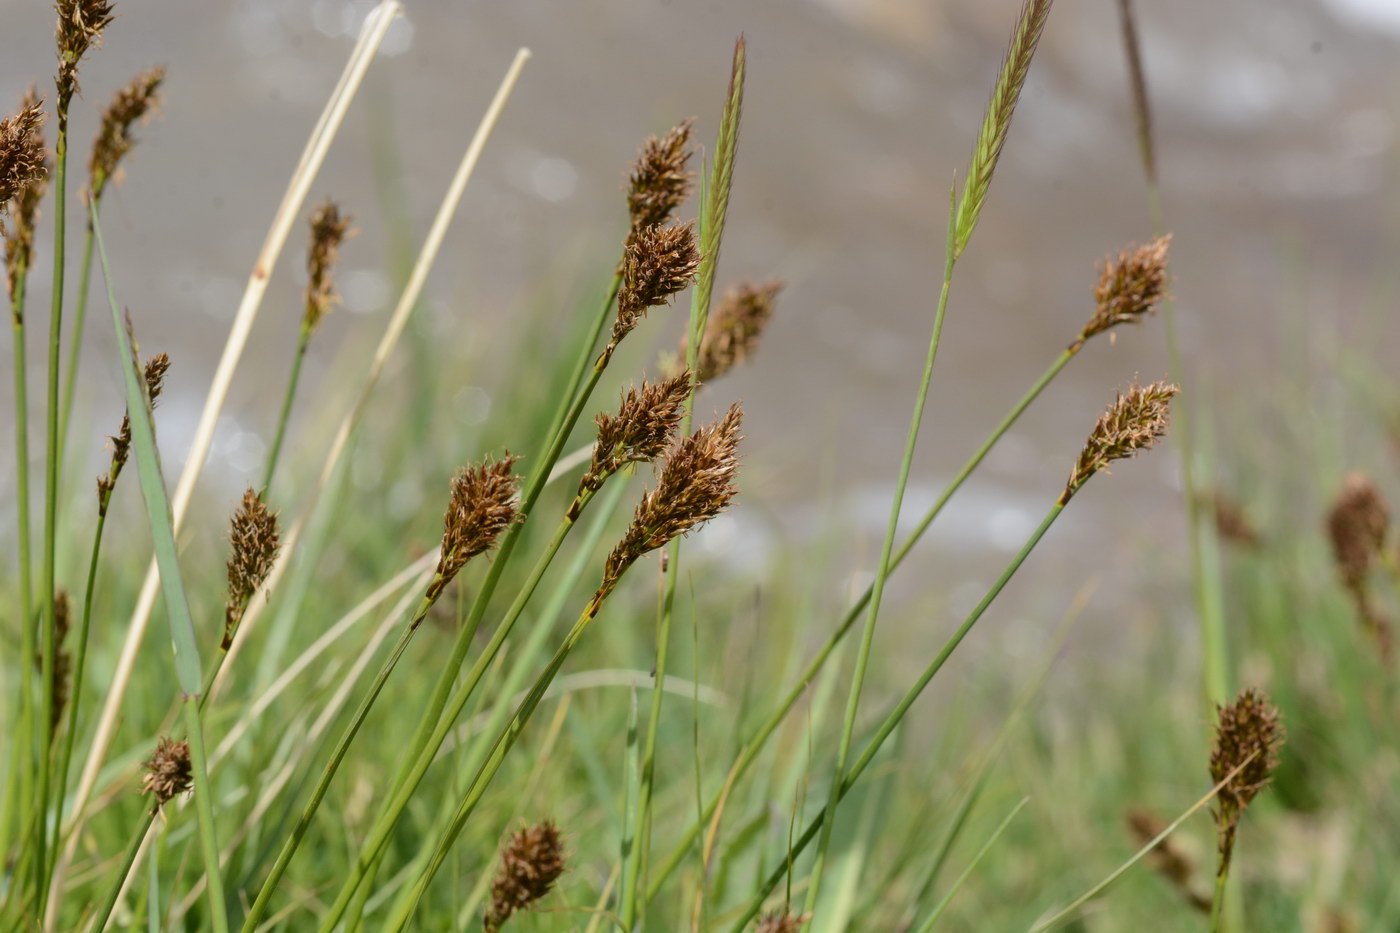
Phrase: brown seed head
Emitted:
{"points": [[169, 772], [17, 166], [1166, 858], [155, 370], [695, 485], [254, 544], [531, 861], [734, 328], [62, 660], [483, 505], [1231, 521], [1134, 422], [129, 106], [329, 228], [80, 25], [642, 429], [1130, 288], [658, 262], [1357, 525], [659, 181], [781, 922], [1247, 732]]}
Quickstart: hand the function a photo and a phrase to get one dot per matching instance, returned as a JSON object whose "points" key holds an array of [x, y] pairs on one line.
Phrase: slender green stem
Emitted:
{"points": [[75, 345], [1217, 902], [286, 412], [133, 849], [927, 925], [204, 807], [844, 785], [848, 724], [751, 749]]}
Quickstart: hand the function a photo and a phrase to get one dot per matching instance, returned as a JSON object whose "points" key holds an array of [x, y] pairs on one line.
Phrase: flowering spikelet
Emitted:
{"points": [[62, 660], [155, 370], [1129, 289], [21, 149], [657, 263], [24, 208], [254, 543], [695, 485], [129, 106], [483, 505], [80, 25], [642, 429], [531, 861], [1357, 525], [329, 228], [1166, 858], [781, 922], [169, 772], [1247, 732], [659, 180], [1135, 421], [733, 328], [1231, 521]]}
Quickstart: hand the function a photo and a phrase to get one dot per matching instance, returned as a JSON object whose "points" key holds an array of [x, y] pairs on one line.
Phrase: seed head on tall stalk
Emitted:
{"points": [[532, 860], [733, 329], [254, 544], [1358, 525]]}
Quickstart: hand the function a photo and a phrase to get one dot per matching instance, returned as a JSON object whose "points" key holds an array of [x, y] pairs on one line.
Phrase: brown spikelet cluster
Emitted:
{"points": [[80, 25], [660, 180], [657, 263], [642, 429], [781, 922], [1232, 523], [1166, 859], [695, 485], [1130, 288], [483, 505], [734, 328], [531, 861], [155, 370], [133, 103], [253, 544], [62, 660], [1358, 525], [23, 162], [329, 229], [1135, 421], [1248, 732], [169, 772]]}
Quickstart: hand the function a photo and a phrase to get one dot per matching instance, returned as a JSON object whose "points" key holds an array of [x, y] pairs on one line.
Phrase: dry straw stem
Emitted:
{"points": [[1166, 858], [531, 862], [734, 327], [372, 33], [645, 423], [695, 485], [80, 25], [1130, 288], [657, 263], [22, 156], [329, 229], [154, 373], [997, 122], [169, 772], [1248, 735], [483, 505], [1135, 422], [254, 543], [129, 106], [660, 179]]}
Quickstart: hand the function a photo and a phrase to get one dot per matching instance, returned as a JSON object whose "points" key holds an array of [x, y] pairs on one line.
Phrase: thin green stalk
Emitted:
{"points": [[75, 349], [848, 724], [286, 412], [750, 751], [844, 785], [133, 849], [927, 926], [1217, 901]]}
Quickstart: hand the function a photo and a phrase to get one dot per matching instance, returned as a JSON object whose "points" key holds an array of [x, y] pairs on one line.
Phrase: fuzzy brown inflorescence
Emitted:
{"points": [[781, 922], [1166, 858], [169, 772], [695, 485], [642, 429], [734, 328], [21, 144], [329, 229], [1232, 522], [657, 263], [531, 862], [1248, 732], [155, 370], [80, 25], [133, 103], [1357, 525], [660, 180], [62, 660], [483, 505], [1130, 288], [1135, 421], [253, 542]]}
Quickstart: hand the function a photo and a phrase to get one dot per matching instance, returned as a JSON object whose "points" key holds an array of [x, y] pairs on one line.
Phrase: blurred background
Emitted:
{"points": [[1276, 125]]}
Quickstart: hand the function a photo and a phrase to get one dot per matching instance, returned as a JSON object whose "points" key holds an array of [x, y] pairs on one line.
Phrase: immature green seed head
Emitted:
{"points": [[531, 862]]}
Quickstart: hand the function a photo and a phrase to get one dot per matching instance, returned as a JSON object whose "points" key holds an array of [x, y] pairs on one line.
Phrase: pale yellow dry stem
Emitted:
{"points": [[397, 321], [372, 33]]}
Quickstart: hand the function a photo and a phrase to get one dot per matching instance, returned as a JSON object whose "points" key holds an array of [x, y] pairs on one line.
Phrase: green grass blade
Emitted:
{"points": [[927, 925]]}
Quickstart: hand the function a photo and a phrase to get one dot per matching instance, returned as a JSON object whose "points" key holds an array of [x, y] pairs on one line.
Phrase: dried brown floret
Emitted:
{"points": [[734, 328], [17, 162], [22, 157], [781, 922], [1231, 521], [642, 429], [155, 370], [531, 862], [80, 25], [1135, 421], [254, 544], [659, 181], [169, 772], [483, 505], [1357, 525], [1247, 732], [1129, 289], [329, 229], [114, 141], [658, 262]]}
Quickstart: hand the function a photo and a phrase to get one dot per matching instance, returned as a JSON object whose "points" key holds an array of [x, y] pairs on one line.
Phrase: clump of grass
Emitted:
{"points": [[532, 860]]}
